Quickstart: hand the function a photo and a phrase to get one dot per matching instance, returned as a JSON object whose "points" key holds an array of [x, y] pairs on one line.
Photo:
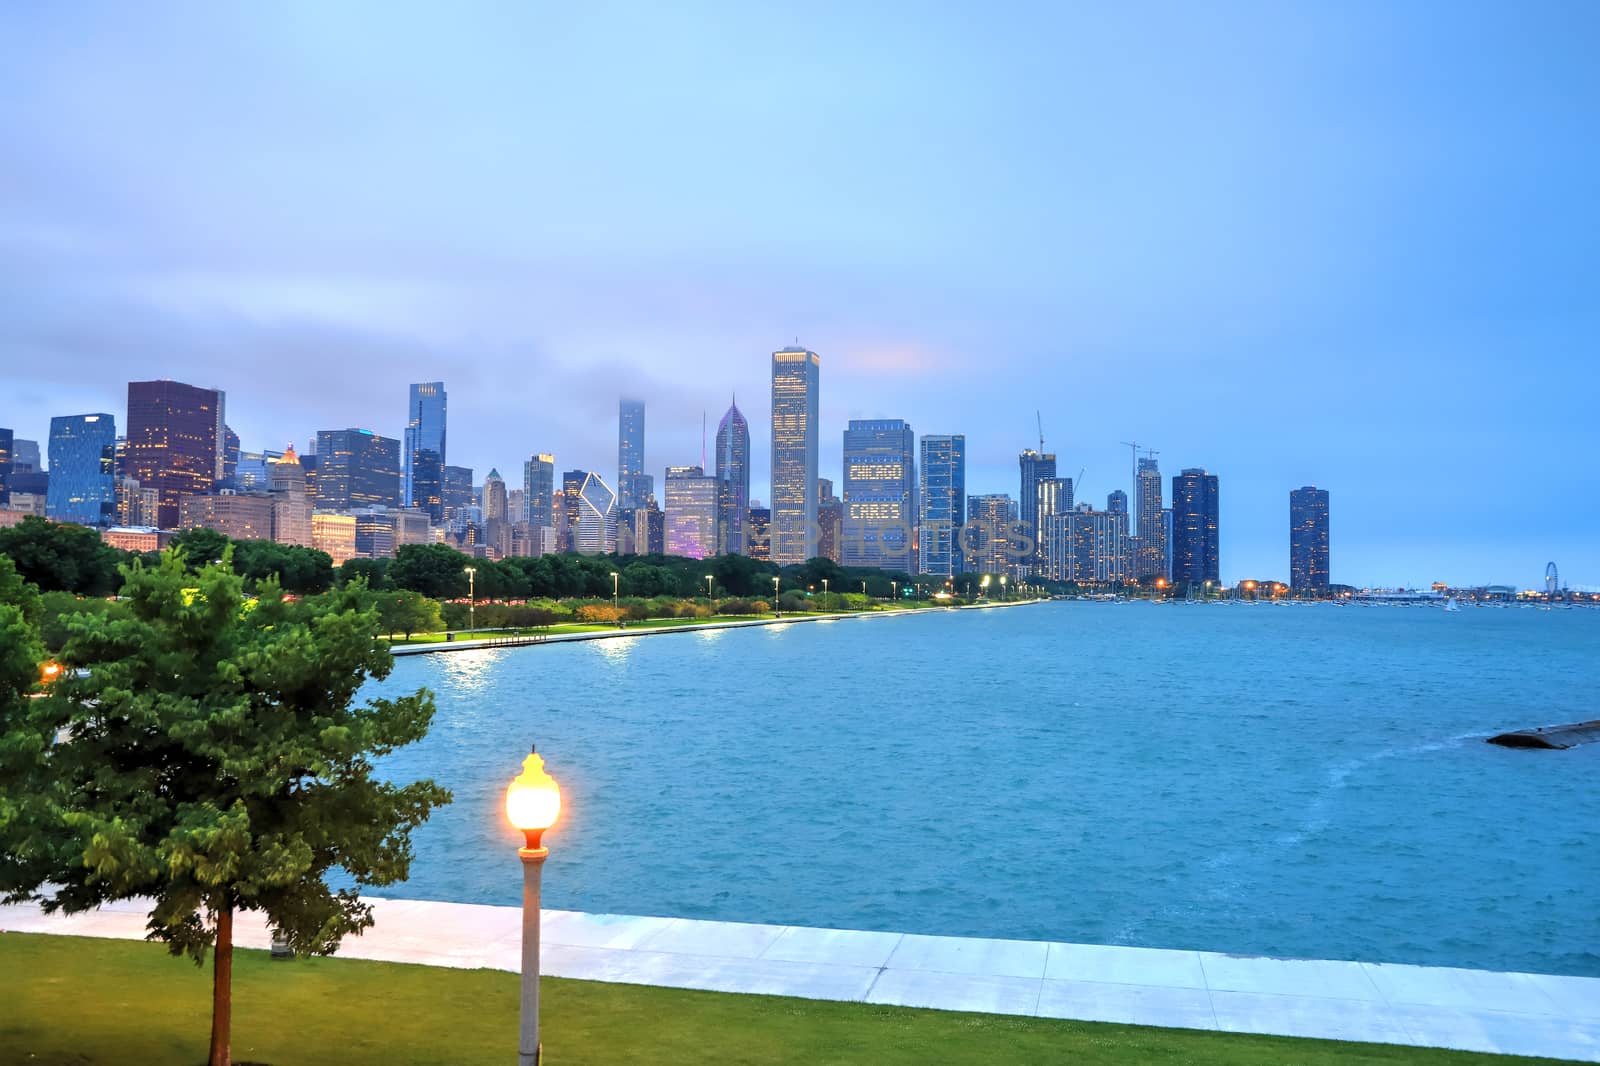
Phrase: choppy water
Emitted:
{"points": [[1299, 781]]}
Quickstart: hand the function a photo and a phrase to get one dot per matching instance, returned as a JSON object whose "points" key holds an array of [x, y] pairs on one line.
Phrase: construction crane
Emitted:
{"points": [[1040, 419]]}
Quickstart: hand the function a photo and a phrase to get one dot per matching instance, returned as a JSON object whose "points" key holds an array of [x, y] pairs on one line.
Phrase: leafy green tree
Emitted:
{"points": [[435, 570], [60, 556], [298, 569], [404, 611], [200, 545], [58, 610], [17, 592], [208, 753], [375, 572]]}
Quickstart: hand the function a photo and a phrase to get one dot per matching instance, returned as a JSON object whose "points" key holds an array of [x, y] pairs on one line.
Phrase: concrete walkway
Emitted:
{"points": [[1474, 1010]]}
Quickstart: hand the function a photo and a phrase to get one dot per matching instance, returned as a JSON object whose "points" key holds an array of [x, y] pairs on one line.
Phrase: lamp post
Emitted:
{"points": [[533, 801], [775, 612], [708, 586], [894, 591], [863, 588], [616, 589], [472, 598], [824, 594], [1002, 586]]}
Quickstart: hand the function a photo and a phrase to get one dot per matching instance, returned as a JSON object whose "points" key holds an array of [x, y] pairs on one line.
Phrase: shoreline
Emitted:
{"points": [[477, 644], [1384, 1003]]}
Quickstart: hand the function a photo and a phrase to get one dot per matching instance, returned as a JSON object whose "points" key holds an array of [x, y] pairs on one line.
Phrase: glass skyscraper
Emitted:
{"points": [[456, 493], [356, 468], [796, 381], [880, 494], [733, 474], [941, 504], [423, 456], [1150, 541], [82, 485], [630, 454], [1194, 529], [539, 490], [1035, 467], [176, 442], [1308, 539], [691, 512], [7, 444]]}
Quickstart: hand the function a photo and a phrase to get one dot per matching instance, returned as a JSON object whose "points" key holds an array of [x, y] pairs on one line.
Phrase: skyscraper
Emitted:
{"points": [[758, 534], [1150, 545], [423, 450], [1194, 528], [796, 381], [7, 445], [941, 504], [356, 468], [539, 489], [691, 512], [82, 488], [176, 442], [630, 453], [1308, 539], [456, 493], [880, 493], [830, 522], [494, 497], [595, 530], [1054, 538], [230, 453], [1035, 467], [733, 473], [987, 540]]}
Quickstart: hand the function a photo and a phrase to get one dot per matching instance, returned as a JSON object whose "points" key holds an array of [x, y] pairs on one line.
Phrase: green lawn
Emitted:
{"points": [[595, 627], [86, 1001]]}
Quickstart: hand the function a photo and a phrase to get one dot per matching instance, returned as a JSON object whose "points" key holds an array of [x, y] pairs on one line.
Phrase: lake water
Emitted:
{"points": [[1295, 781]]}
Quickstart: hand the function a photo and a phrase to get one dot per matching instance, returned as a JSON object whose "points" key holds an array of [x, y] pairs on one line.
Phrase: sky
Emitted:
{"points": [[1355, 245]]}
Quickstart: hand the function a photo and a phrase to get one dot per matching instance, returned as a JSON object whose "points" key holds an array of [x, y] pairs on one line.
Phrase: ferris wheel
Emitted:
{"points": [[1552, 580]]}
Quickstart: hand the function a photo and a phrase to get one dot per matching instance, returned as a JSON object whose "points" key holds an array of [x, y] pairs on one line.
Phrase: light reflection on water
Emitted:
{"points": [[1304, 782]]}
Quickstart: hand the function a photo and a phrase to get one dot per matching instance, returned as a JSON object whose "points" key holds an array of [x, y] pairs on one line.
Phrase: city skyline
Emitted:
{"points": [[1373, 285]]}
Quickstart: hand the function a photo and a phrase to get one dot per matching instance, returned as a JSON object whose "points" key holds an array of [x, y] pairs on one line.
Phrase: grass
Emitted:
{"points": [[87, 1001], [595, 627]]}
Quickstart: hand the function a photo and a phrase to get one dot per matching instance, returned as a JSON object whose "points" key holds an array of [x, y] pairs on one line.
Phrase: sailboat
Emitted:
{"points": [[1451, 604]]}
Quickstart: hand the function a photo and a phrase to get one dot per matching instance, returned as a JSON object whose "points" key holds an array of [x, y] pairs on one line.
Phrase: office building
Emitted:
{"points": [[423, 449], [136, 506], [1195, 557], [25, 457], [496, 514], [630, 455], [650, 528], [941, 504], [758, 533], [733, 472], [1034, 467], [691, 512], [292, 508], [336, 533], [8, 442], [539, 489], [830, 524], [176, 442], [1150, 537], [82, 488], [796, 381], [879, 493], [356, 468], [457, 492], [230, 453], [1308, 540], [237, 515]]}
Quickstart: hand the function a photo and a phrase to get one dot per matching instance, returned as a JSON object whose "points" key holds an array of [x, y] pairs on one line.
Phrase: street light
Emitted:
{"points": [[708, 586], [472, 598], [863, 588], [1002, 586], [894, 591], [533, 801], [824, 593], [616, 589], [775, 612]]}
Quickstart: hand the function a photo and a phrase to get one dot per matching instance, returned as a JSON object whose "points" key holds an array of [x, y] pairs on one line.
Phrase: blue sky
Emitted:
{"points": [[1354, 245]]}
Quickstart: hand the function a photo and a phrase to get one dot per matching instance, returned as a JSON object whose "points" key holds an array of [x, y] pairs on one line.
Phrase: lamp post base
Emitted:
{"points": [[529, 1049]]}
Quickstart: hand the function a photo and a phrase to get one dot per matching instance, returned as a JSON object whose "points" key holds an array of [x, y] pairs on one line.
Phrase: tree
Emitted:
{"points": [[375, 572], [207, 753], [298, 569], [404, 611], [60, 556], [201, 545], [435, 570]]}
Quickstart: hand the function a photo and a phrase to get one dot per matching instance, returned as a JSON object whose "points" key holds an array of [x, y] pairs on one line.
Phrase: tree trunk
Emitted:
{"points": [[222, 990]]}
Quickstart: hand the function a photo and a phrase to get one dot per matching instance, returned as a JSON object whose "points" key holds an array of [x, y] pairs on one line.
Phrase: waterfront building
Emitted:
{"points": [[457, 493], [796, 382], [82, 488], [758, 533], [691, 512], [336, 533], [1194, 529], [1308, 540], [988, 540], [1055, 499], [423, 449], [176, 442], [880, 494], [1150, 539], [733, 474], [1166, 544], [941, 503], [8, 442], [630, 454], [355, 468], [1034, 468], [539, 489]]}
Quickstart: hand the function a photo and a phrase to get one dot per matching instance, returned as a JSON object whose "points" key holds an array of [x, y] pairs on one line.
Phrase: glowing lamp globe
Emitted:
{"points": [[533, 799]]}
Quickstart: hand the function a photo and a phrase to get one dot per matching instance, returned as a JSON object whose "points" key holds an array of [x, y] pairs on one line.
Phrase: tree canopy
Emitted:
{"points": [[60, 556]]}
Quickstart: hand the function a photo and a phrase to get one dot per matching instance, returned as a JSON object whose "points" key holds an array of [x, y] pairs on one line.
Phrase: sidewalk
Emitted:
{"points": [[1472, 1010]]}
